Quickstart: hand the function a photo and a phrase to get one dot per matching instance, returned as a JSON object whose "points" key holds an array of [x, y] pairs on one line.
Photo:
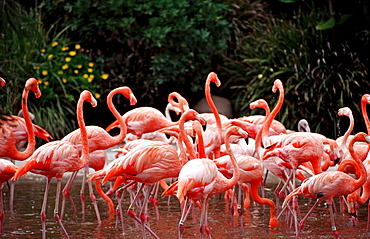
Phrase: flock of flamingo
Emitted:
{"points": [[194, 158]]}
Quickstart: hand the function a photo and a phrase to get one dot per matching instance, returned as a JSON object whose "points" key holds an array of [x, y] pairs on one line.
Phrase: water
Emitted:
{"points": [[25, 221]]}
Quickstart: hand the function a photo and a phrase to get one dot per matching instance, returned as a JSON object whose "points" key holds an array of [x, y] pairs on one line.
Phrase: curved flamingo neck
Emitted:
{"points": [[365, 99], [183, 136], [181, 103], [212, 77], [349, 114], [81, 123], [198, 130], [30, 84], [256, 197], [261, 103], [359, 167], [268, 121], [233, 130], [126, 91]]}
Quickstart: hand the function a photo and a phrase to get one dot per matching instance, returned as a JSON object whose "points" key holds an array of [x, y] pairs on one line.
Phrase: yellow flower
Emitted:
{"points": [[89, 79], [90, 64], [90, 70], [79, 66], [66, 48], [91, 76], [54, 44], [105, 76], [75, 71], [68, 59], [260, 76], [42, 50], [44, 72], [39, 81], [50, 56], [97, 95], [64, 80], [65, 67], [60, 72], [86, 76], [72, 53], [77, 46], [46, 83]]}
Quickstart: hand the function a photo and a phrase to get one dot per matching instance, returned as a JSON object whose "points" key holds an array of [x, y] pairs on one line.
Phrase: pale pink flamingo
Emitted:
{"points": [[327, 185], [99, 139], [55, 158], [199, 179], [7, 171]]}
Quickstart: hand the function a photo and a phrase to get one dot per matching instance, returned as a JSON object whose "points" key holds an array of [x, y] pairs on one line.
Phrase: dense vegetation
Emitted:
{"points": [[319, 50]]}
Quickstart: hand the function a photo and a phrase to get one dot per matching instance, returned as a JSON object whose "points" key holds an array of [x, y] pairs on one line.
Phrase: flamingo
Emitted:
{"points": [[327, 185], [14, 129], [199, 179], [99, 139], [147, 164], [143, 120], [8, 139], [55, 158], [7, 171], [251, 172], [213, 133]]}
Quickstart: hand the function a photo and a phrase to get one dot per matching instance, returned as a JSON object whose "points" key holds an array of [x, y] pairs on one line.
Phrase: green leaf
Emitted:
{"points": [[327, 24]]}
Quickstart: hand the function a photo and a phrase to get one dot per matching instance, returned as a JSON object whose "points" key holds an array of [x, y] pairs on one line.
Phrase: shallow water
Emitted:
{"points": [[24, 222]]}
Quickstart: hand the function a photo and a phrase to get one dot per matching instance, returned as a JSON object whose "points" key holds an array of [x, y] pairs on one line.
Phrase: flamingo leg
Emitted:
{"points": [[11, 199], [43, 208], [82, 191], [132, 214], [56, 215], [184, 215], [333, 227], [93, 199], [301, 223], [153, 198], [67, 193], [119, 213]]}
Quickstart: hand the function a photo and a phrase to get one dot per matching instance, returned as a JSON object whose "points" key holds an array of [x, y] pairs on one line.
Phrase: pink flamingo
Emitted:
{"points": [[99, 139], [7, 171], [199, 179], [147, 164], [251, 172], [55, 158], [13, 131], [327, 185], [8, 139]]}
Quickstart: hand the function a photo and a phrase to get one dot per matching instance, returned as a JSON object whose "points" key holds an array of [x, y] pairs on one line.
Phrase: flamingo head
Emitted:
{"points": [[32, 84]]}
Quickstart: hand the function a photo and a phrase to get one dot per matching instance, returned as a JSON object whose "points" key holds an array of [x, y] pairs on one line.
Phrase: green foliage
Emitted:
{"points": [[319, 74], [62, 68], [62, 71], [148, 45]]}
